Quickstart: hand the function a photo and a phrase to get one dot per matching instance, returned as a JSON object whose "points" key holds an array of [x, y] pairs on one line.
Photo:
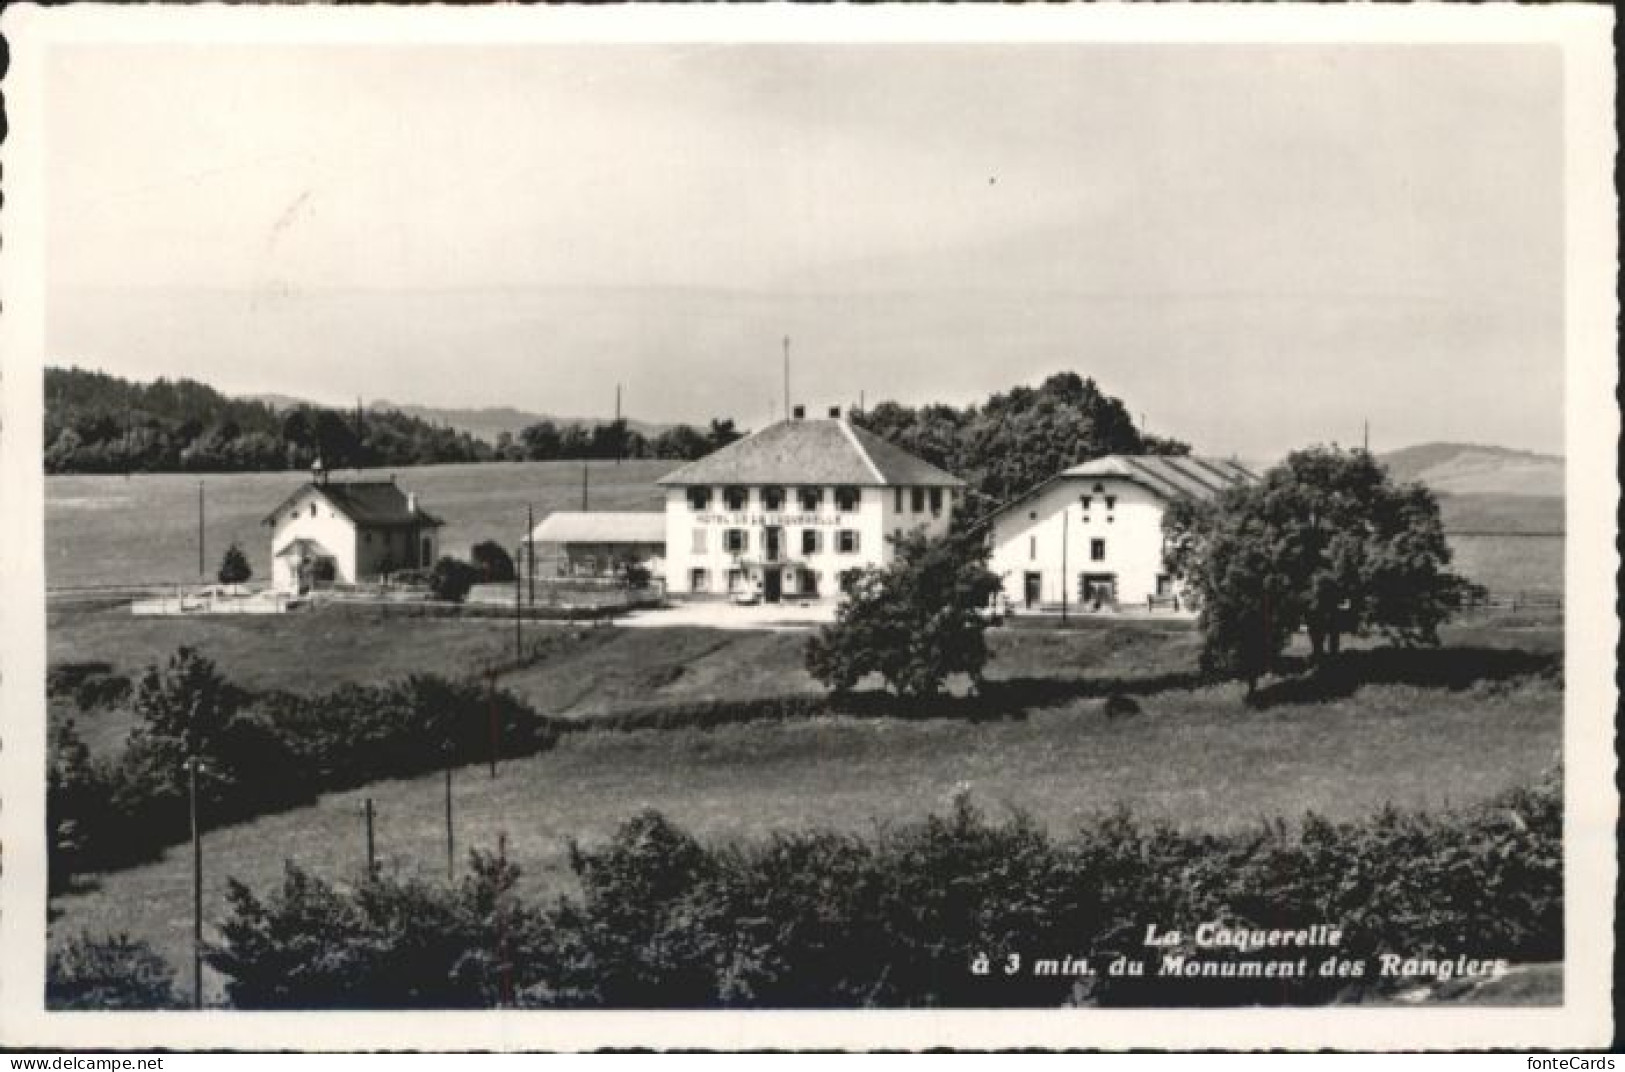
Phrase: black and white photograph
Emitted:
{"points": [[1097, 525]]}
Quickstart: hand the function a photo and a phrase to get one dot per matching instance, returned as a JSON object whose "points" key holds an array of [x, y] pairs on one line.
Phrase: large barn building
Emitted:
{"points": [[1091, 537], [330, 532], [781, 513]]}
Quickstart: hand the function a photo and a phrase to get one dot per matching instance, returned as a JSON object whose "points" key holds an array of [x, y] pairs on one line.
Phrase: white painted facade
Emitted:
{"points": [[357, 551], [717, 550], [311, 517], [1052, 546]]}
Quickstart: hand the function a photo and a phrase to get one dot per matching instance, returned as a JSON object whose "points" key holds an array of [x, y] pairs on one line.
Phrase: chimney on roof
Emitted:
{"points": [[411, 502], [799, 412], [835, 411]]}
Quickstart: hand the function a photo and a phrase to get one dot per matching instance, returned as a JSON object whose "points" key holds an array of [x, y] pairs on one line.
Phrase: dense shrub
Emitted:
{"points": [[817, 918], [492, 562], [382, 943], [113, 972], [260, 753], [451, 578]]}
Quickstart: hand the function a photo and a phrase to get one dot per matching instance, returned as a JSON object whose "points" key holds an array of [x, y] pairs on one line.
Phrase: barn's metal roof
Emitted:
{"points": [[601, 527], [374, 503], [806, 451], [1167, 475]]}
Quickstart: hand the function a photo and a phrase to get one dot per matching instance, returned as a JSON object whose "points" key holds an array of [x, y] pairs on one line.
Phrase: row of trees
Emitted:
{"points": [[96, 423], [1019, 438], [547, 441], [921, 914], [1324, 544]]}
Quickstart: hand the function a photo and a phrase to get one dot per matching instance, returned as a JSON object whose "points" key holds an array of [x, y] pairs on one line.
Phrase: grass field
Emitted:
{"points": [[1506, 563], [109, 530], [1196, 758]]}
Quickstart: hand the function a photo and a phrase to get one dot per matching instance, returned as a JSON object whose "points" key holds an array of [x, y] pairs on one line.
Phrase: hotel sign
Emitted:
{"points": [[744, 519]]}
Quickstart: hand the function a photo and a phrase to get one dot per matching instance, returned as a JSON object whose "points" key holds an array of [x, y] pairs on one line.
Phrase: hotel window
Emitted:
{"points": [[698, 547], [1111, 502], [846, 541], [846, 499], [936, 500], [699, 580], [699, 498], [1085, 501], [1097, 550], [809, 541], [811, 498], [918, 505], [736, 580], [735, 540], [735, 498], [773, 498]]}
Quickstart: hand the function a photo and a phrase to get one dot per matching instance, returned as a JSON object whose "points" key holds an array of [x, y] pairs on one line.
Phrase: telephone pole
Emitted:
{"points": [[530, 549], [583, 486], [200, 568], [787, 377], [192, 764], [1066, 515], [620, 441]]}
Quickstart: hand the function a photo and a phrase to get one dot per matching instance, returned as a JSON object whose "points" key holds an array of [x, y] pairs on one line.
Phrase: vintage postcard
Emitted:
{"points": [[808, 527]]}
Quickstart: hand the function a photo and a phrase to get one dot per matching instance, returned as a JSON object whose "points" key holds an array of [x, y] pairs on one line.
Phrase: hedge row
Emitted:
{"points": [[261, 753], [818, 918]]}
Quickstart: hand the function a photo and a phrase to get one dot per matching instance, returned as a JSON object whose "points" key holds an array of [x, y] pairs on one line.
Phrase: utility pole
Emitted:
{"points": [[451, 857], [1066, 516], [530, 549], [491, 707], [200, 568], [583, 486], [518, 620], [787, 377], [192, 765], [1365, 437], [620, 444], [372, 858]]}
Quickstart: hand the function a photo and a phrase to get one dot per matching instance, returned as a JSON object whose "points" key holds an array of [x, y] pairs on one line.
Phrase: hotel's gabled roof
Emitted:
{"points": [[811, 452]]}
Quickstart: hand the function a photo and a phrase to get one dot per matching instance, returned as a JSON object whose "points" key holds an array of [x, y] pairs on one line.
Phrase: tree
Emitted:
{"points": [[722, 432], [113, 972], [493, 562], [914, 621], [234, 567], [451, 578], [1325, 542]]}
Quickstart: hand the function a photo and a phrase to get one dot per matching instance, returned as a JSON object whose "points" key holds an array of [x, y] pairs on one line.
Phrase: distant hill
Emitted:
{"points": [[489, 422], [1468, 469]]}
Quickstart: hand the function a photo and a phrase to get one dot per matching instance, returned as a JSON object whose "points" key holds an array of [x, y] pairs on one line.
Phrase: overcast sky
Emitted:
{"points": [[1254, 247]]}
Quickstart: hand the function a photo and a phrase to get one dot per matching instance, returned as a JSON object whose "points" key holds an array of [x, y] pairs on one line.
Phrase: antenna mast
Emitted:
{"points": [[787, 377]]}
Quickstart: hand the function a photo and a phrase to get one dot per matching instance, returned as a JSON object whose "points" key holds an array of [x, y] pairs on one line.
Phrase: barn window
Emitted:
{"points": [[846, 499], [735, 498], [897, 506], [699, 498], [811, 498], [1097, 550], [936, 500], [918, 505], [773, 498], [846, 541]]}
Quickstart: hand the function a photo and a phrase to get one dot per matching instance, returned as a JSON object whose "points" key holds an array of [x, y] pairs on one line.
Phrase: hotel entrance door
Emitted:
{"points": [[772, 585]]}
